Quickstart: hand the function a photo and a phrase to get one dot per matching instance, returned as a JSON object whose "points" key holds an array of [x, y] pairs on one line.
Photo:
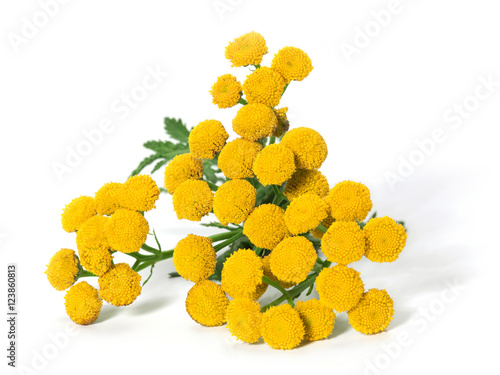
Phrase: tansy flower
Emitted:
{"points": [[265, 227], [349, 201], [226, 92], [120, 285], [283, 123], [194, 258], [207, 139], [305, 213], [233, 201], [82, 303], [282, 327], [385, 239], [192, 200], [308, 146], [306, 181], [77, 212], [107, 198], [126, 230], [237, 157], [373, 313], [243, 319], [264, 86], [274, 165], [292, 63], [182, 168], [62, 269], [97, 260], [340, 287], [206, 304], [248, 49], [293, 259], [139, 193], [318, 319], [254, 121], [92, 233], [343, 242], [266, 266], [242, 275]]}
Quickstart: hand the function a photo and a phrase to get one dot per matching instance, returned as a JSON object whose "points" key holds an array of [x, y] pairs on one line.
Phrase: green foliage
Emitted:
{"points": [[177, 130]]}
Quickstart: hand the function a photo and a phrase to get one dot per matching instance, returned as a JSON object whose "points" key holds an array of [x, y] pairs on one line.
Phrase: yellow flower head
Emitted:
{"points": [[192, 200], [318, 319], [82, 303], [340, 287], [226, 92], [237, 157], [243, 319], [234, 201], [373, 313], [77, 212], [242, 275], [305, 213], [254, 121], [248, 49], [194, 258], [206, 304], [274, 165], [385, 239], [349, 201], [292, 63], [264, 86], [182, 168], [293, 259], [306, 181], [139, 193], [62, 269], [97, 260], [126, 230], [343, 242], [308, 146], [107, 198], [207, 139], [93, 246], [283, 123], [120, 285], [266, 266], [282, 327], [265, 227]]}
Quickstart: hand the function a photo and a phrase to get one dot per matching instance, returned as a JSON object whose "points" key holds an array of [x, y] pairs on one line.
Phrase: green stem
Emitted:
{"points": [[229, 241], [85, 273], [276, 285], [272, 140], [242, 101], [223, 236], [149, 249], [154, 259], [321, 228], [284, 89], [212, 186], [278, 195]]}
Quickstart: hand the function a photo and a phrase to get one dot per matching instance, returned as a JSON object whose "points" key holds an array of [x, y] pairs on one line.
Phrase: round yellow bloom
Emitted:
{"points": [[292, 63], [243, 319], [293, 259], [207, 139], [385, 239], [234, 201], [373, 313], [265, 227], [349, 201], [237, 157], [264, 86], [92, 233], [77, 212], [62, 269], [82, 303], [139, 193], [266, 266], [283, 123], [107, 198], [248, 49], [340, 287], [206, 304], [318, 319], [282, 328], [343, 242], [97, 260], [194, 258], [182, 168], [306, 181], [242, 275], [192, 200], [120, 285], [305, 213], [226, 92], [254, 121], [308, 146], [274, 165], [126, 230]]}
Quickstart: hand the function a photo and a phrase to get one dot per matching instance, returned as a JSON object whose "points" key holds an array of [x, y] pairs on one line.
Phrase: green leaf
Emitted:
{"points": [[158, 165], [176, 129], [143, 164], [160, 147], [173, 274]]}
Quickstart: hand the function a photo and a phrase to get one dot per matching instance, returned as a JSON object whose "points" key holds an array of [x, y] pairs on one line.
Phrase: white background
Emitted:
{"points": [[371, 110]]}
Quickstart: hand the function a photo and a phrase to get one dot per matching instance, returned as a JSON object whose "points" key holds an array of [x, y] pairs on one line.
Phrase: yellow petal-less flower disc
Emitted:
{"points": [[293, 259], [234, 201], [349, 201], [305, 213], [206, 304], [194, 258], [373, 313], [264, 86], [182, 168], [139, 193], [306, 181], [308, 146], [282, 328], [283, 123], [62, 269], [226, 91], [266, 266], [254, 121], [343, 242], [265, 227], [244, 317], [82, 303], [97, 260], [385, 239], [242, 275], [120, 285], [247, 49], [77, 212], [237, 157], [192, 200], [207, 139], [318, 319], [292, 63], [340, 287], [274, 165], [107, 198], [126, 230], [92, 233]]}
